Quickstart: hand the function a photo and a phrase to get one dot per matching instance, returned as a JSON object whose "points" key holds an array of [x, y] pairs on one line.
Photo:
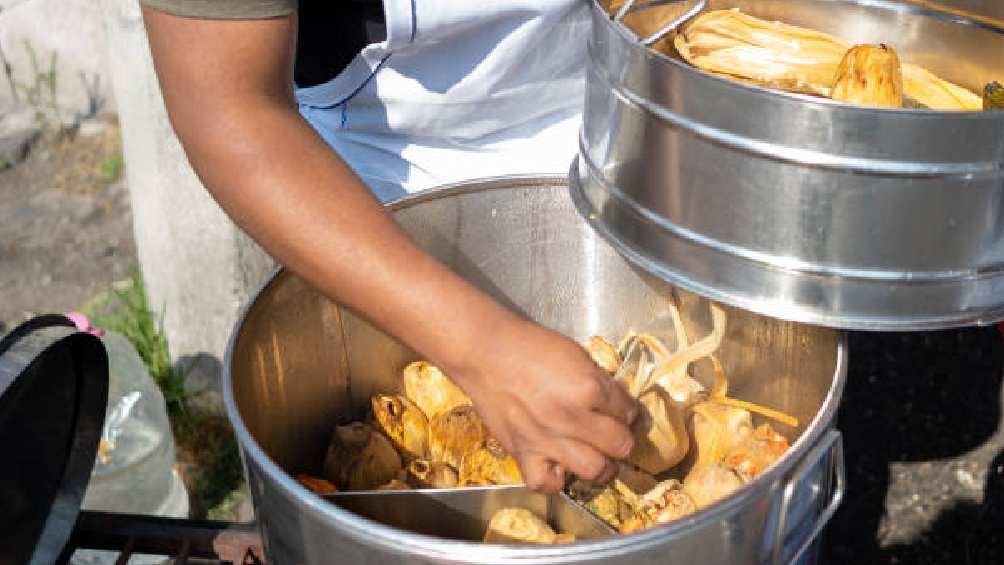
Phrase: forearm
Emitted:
{"points": [[295, 196]]}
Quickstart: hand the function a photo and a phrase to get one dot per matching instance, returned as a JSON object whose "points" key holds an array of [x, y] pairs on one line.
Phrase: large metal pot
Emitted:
{"points": [[798, 207], [298, 363]]}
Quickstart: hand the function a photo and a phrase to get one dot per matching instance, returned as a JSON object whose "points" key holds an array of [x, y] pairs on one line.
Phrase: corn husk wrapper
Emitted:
{"points": [[796, 59], [489, 464], [756, 452], [431, 390], [927, 89], [429, 474], [706, 484], [635, 478], [870, 75], [662, 504], [360, 458], [404, 423], [519, 526], [672, 374], [660, 433], [454, 433], [717, 430], [601, 500], [607, 502], [603, 353], [772, 54]]}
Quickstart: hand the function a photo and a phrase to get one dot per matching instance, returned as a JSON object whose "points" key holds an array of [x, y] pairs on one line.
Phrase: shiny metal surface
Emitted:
{"points": [[297, 364], [464, 513], [830, 446], [798, 207], [53, 391]]}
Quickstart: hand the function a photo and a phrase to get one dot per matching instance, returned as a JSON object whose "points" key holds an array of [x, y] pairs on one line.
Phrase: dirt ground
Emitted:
{"points": [[65, 226], [66, 237], [921, 415]]}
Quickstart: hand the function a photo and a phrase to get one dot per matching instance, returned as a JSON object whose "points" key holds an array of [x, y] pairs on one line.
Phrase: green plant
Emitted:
{"points": [[110, 168], [124, 309], [40, 91], [207, 448]]}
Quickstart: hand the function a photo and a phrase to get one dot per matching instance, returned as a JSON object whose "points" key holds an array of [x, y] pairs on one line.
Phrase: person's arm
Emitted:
{"points": [[228, 90]]}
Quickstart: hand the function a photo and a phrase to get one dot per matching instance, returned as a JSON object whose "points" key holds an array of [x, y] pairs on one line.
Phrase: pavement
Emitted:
{"points": [[921, 419]]}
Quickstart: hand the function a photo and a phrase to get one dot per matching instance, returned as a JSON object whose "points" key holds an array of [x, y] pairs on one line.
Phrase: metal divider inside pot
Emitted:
{"points": [[464, 513]]}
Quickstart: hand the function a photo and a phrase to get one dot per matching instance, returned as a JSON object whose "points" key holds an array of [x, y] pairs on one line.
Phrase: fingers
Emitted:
{"points": [[614, 401], [540, 473], [610, 437], [546, 473], [587, 416], [600, 393], [582, 460]]}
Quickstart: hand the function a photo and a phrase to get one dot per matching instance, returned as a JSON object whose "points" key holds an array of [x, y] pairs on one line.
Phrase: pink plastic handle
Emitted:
{"points": [[83, 324]]}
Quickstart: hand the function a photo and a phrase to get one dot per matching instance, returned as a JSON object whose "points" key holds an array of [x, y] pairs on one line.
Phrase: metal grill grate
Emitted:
{"points": [[184, 542]]}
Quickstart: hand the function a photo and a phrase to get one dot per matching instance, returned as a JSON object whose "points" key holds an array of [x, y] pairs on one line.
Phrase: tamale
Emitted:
{"points": [[488, 464], [431, 390], [429, 474], [773, 54], [869, 75], [796, 59], [757, 451], [717, 430], [660, 433], [360, 458], [455, 433], [706, 484], [519, 525], [403, 423], [932, 92]]}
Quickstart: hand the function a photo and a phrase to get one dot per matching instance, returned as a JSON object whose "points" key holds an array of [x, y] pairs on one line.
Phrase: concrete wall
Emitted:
{"points": [[72, 29], [199, 268]]}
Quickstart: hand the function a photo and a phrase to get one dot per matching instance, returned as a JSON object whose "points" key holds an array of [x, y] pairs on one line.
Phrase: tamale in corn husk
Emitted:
{"points": [[795, 59], [869, 75]]}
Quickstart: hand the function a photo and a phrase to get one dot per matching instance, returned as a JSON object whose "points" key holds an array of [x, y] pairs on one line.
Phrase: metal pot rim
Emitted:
{"points": [[630, 38], [392, 538]]}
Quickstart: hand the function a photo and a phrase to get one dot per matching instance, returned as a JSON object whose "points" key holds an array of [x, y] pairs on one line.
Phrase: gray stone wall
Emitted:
{"points": [[75, 32]]}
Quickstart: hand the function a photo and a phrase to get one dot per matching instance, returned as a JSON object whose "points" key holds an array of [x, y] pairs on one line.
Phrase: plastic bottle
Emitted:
{"points": [[134, 471]]}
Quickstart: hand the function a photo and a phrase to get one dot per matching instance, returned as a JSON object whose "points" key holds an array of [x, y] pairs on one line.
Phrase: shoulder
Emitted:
{"points": [[224, 9]]}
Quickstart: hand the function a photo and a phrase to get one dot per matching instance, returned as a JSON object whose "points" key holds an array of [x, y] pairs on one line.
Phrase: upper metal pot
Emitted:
{"points": [[298, 364], [798, 207]]}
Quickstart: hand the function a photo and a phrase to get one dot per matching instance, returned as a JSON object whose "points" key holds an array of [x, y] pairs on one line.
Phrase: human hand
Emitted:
{"points": [[549, 405]]}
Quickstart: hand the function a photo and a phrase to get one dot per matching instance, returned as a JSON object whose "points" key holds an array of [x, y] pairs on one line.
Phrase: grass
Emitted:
{"points": [[124, 309], [40, 91], [110, 168], [207, 455]]}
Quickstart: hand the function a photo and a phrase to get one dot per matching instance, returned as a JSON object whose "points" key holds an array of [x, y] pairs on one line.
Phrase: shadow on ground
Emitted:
{"points": [[921, 423], [208, 457]]}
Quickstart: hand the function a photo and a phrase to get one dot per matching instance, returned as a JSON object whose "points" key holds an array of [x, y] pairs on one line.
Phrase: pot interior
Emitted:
{"points": [[302, 364]]}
